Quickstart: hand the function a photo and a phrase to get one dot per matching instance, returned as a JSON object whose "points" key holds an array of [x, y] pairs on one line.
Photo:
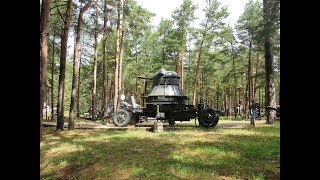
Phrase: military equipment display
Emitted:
{"points": [[165, 102]]}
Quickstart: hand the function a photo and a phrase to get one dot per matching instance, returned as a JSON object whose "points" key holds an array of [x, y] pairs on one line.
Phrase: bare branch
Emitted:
{"points": [[57, 6], [61, 15]]}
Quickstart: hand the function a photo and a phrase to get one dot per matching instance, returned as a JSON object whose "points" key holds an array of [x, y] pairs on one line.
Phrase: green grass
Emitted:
{"points": [[191, 153]]}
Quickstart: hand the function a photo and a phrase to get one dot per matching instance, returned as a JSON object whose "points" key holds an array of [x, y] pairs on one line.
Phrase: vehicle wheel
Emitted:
{"points": [[172, 122], [208, 118], [134, 119], [121, 118]]}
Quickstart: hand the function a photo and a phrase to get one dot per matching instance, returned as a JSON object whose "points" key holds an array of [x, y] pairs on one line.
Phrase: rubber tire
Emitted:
{"points": [[127, 118], [134, 119], [212, 121], [171, 122]]}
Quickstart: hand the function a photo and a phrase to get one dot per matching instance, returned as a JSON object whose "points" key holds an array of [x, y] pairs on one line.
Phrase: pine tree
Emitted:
{"points": [[44, 28]]}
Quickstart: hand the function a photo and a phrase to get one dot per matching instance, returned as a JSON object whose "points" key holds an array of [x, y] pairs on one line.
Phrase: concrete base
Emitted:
{"points": [[158, 126]]}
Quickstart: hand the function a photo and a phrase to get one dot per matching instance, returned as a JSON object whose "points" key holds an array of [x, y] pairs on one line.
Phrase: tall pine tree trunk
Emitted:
{"points": [[62, 74], [79, 80], [46, 99], [202, 86], [189, 69], [79, 85], [250, 83], [76, 68], [270, 87], [196, 76], [105, 60], [121, 52], [52, 81], [178, 63], [117, 55], [207, 96], [182, 64], [44, 28], [137, 70], [224, 100], [235, 103], [270, 94], [246, 100], [263, 94], [254, 84], [260, 96], [95, 59], [240, 96], [230, 99], [217, 95], [111, 89]]}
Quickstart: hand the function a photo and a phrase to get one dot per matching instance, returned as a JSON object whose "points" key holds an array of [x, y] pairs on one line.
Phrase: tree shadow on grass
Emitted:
{"points": [[254, 155], [117, 154], [117, 157]]}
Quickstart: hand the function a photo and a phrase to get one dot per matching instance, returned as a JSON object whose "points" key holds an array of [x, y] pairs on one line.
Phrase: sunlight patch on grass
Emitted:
{"points": [[139, 171], [193, 153], [257, 177], [63, 148], [62, 162]]}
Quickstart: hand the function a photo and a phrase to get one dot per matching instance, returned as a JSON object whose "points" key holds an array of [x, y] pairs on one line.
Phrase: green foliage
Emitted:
{"points": [[213, 22], [271, 10], [183, 17], [148, 49], [185, 14], [250, 23]]}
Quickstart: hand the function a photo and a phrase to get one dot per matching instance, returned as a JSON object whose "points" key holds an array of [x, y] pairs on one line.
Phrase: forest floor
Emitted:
{"points": [[81, 123], [223, 152]]}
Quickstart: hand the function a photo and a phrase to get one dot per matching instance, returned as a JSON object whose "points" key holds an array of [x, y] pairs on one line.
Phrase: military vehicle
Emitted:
{"points": [[165, 103]]}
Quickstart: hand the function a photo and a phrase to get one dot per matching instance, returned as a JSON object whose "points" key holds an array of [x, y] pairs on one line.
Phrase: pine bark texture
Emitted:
{"points": [[196, 76], [270, 95], [117, 55], [76, 68], [121, 53], [52, 80], [44, 28], [62, 74], [105, 60], [95, 59]]}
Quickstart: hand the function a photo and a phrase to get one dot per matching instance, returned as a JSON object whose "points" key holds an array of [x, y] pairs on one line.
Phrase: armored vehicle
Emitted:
{"points": [[165, 102]]}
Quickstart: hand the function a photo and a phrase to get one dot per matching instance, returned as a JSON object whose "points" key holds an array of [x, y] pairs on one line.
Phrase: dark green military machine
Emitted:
{"points": [[165, 102]]}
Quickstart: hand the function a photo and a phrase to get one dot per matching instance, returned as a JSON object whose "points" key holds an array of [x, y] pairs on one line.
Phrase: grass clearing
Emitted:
{"points": [[191, 153]]}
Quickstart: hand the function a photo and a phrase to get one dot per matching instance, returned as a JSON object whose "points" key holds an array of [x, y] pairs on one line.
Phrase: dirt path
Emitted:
{"points": [[236, 124], [89, 125], [98, 125]]}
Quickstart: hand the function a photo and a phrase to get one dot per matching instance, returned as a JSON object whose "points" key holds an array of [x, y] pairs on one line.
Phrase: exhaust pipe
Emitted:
{"points": [[133, 102]]}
